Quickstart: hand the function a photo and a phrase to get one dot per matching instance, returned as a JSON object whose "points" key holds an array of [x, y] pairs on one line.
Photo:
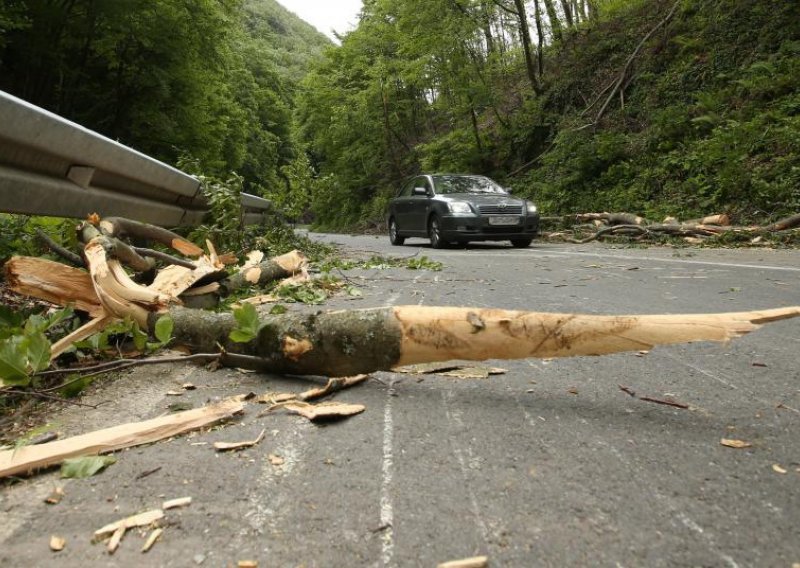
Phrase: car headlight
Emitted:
{"points": [[459, 207], [531, 207]]}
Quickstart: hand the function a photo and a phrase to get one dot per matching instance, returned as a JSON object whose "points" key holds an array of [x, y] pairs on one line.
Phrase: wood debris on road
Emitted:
{"points": [[226, 446], [29, 458]]}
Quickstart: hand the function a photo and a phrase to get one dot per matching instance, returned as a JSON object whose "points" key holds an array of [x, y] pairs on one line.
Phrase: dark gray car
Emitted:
{"points": [[454, 208]]}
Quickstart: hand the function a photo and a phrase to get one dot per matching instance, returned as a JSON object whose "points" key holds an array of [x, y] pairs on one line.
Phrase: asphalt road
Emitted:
{"points": [[550, 464]]}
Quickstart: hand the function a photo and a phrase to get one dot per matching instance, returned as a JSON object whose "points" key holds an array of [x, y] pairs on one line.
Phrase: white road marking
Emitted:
{"points": [[387, 512], [551, 253]]}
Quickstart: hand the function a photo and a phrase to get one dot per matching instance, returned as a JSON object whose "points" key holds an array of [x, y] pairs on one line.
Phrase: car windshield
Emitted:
{"points": [[466, 184]]}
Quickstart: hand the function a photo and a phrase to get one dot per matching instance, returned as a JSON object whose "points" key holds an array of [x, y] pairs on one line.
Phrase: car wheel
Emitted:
{"points": [[521, 243], [435, 233], [394, 236]]}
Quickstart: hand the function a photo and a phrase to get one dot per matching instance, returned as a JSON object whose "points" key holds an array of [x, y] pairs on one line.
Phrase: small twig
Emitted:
{"points": [[42, 394], [146, 473], [66, 254], [630, 392], [168, 258], [665, 402]]}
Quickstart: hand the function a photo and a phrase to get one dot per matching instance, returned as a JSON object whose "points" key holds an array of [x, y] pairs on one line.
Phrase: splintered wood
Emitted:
{"points": [[29, 458]]}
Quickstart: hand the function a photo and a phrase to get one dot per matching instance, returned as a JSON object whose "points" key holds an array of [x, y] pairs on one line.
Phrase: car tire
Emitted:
{"points": [[394, 236], [521, 243], [435, 234]]}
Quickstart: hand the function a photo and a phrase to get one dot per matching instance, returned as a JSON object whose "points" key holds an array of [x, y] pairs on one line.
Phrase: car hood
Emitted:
{"points": [[478, 199]]}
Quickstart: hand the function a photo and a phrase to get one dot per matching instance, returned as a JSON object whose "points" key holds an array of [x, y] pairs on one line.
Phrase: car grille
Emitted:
{"points": [[497, 210]]}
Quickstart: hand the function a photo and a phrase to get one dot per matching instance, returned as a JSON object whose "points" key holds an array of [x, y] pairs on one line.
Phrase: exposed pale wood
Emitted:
{"points": [[53, 282], [86, 330], [174, 280], [139, 520], [225, 446], [151, 539], [175, 503], [118, 293], [474, 562], [29, 458], [441, 334]]}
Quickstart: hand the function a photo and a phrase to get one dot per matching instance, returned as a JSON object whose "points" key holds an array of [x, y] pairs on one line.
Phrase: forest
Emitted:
{"points": [[660, 107]]}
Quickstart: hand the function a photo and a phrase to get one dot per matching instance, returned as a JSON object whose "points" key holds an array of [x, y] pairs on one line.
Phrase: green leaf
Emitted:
{"points": [[13, 362], [278, 309], [139, 337], [59, 316], [248, 324], [180, 406], [75, 385], [163, 329], [9, 317], [38, 351], [80, 468]]}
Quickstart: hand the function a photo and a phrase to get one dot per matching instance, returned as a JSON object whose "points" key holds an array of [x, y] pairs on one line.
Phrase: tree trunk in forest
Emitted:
{"points": [[567, 12], [525, 36], [555, 23], [540, 36]]}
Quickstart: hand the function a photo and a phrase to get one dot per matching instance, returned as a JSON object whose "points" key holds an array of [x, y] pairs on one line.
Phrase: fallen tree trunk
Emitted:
{"points": [[343, 343]]}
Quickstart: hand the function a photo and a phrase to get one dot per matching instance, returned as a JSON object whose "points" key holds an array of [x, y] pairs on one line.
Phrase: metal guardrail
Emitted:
{"points": [[51, 166]]}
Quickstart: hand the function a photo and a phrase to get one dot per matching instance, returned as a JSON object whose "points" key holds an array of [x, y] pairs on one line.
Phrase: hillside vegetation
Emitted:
{"points": [[706, 117], [207, 84]]}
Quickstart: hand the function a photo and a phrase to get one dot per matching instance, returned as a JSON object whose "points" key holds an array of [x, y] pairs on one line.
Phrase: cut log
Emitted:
{"points": [[26, 459], [264, 272], [784, 224], [344, 343]]}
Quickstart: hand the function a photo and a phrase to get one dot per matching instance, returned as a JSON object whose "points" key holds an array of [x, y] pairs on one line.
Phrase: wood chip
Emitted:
{"points": [[332, 386], [323, 411], [140, 520], [276, 460], [738, 444], [474, 562], [225, 446], [151, 539], [57, 543], [275, 397], [116, 538], [778, 469], [55, 496], [247, 564], [174, 503]]}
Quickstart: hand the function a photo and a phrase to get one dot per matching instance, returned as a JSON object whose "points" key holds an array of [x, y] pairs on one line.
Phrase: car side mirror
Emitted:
{"points": [[509, 190], [419, 191]]}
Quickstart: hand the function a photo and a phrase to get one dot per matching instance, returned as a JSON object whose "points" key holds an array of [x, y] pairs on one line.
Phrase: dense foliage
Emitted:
{"points": [[706, 119], [208, 79]]}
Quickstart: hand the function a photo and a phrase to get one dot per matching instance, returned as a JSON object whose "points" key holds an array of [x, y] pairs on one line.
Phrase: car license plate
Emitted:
{"points": [[505, 220]]}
